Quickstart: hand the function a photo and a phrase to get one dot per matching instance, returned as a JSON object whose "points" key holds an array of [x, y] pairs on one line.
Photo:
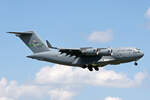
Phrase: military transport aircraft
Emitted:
{"points": [[87, 57]]}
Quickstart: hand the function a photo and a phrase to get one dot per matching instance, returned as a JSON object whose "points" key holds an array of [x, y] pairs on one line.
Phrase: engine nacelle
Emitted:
{"points": [[104, 52], [99, 51], [89, 52]]}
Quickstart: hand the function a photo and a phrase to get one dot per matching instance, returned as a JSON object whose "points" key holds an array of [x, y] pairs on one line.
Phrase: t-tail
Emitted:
{"points": [[32, 41]]}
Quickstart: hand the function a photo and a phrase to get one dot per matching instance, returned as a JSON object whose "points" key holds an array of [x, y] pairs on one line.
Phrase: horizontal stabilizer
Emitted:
{"points": [[22, 33], [49, 45]]}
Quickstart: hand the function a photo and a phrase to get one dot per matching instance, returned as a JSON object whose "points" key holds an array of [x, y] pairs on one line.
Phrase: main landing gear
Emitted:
{"points": [[90, 67], [96, 68]]}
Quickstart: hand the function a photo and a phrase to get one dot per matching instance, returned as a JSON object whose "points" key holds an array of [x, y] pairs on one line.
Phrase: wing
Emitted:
{"points": [[78, 52], [71, 52], [83, 52]]}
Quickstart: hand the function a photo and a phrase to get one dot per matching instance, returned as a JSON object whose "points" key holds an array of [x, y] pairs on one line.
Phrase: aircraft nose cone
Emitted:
{"points": [[142, 54]]}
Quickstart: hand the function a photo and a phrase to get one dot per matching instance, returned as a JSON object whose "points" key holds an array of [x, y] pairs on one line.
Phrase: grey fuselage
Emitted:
{"points": [[119, 55], [81, 57]]}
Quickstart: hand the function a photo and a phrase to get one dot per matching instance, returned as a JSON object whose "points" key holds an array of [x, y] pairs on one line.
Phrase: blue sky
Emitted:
{"points": [[69, 23]]}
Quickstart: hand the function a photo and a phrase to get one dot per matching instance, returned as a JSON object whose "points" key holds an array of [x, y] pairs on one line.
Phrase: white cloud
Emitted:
{"points": [[59, 74], [147, 14], [60, 82], [13, 90], [32, 91], [8, 90], [5, 98], [112, 98], [60, 94], [101, 36]]}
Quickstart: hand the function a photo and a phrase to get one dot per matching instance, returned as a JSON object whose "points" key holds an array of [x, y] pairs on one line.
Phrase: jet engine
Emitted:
{"points": [[89, 52], [99, 51], [104, 51]]}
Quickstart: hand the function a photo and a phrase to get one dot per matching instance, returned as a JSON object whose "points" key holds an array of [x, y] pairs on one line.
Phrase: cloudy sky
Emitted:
{"points": [[73, 24]]}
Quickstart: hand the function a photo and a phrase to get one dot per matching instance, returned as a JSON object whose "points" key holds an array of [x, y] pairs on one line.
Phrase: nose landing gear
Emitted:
{"points": [[135, 63]]}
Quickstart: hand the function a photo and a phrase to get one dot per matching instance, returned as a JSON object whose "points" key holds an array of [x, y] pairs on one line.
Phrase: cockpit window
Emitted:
{"points": [[137, 50]]}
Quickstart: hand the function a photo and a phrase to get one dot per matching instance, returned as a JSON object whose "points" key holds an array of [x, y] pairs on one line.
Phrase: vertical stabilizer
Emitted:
{"points": [[32, 41]]}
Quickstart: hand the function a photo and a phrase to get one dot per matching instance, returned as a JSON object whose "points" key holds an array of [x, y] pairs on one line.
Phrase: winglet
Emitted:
{"points": [[22, 33]]}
